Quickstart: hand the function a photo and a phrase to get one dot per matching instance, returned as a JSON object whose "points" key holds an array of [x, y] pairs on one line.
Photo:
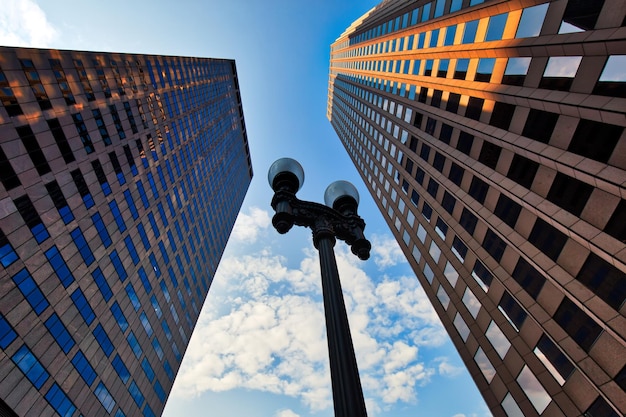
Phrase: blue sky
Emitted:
{"points": [[259, 348]]}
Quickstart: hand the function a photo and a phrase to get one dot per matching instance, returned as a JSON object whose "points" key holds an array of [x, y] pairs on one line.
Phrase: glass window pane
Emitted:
{"points": [[484, 364], [533, 389], [471, 302], [562, 66], [495, 29], [498, 339], [614, 69], [532, 20]]}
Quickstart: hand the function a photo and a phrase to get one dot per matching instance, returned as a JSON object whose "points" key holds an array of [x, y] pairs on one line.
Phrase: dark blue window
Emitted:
{"points": [[146, 324], [132, 295], [147, 369], [185, 223], [170, 205], [176, 351], [155, 228], [170, 238], [105, 397], [434, 37], [60, 333], [59, 266], [134, 344], [142, 194], [29, 213], [495, 29], [30, 365], [160, 392], [102, 284], [162, 213], [173, 277], [157, 348], [168, 370], [166, 258], [30, 290], [178, 231], [117, 216], [117, 263], [121, 369], [450, 32], [102, 230], [103, 340], [155, 192], [147, 412], [59, 401], [131, 204], [119, 413], [83, 247], [155, 305], [469, 35], [7, 254], [119, 316], [143, 235], [166, 329], [144, 280], [83, 306], [170, 173], [131, 249], [7, 334], [84, 368], [162, 177], [155, 265]]}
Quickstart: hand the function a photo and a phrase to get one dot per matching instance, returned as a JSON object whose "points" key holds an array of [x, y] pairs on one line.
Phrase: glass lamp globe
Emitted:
{"points": [[339, 189], [283, 166]]}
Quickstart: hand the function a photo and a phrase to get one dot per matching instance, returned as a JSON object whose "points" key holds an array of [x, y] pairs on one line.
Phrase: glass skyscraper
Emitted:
{"points": [[122, 176], [491, 136]]}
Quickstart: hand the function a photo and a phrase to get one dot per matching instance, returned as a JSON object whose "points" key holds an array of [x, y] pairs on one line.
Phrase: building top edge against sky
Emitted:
{"points": [[491, 136], [122, 176]]}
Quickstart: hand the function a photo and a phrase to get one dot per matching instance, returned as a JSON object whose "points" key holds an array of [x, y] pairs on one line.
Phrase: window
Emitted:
{"points": [[456, 174], [119, 316], [83, 306], [101, 127], [474, 108], [616, 225], [448, 202], [117, 168], [459, 248], [119, 267], [59, 401], [612, 81], [59, 266], [432, 188], [547, 239], [460, 70], [461, 327], [81, 128], [442, 70], [468, 221], [102, 230], [83, 247], [489, 154], [428, 70], [441, 228], [533, 389], [482, 275], [471, 302], [531, 21], [8, 176], [495, 28], [104, 396], [507, 210], [434, 37], [540, 125], [569, 193], [501, 115], [134, 344], [84, 368], [498, 340], [34, 150], [103, 340], [510, 407], [478, 189], [102, 284], [523, 171], [600, 408], [453, 104], [465, 142], [484, 364], [132, 295], [494, 245], [580, 16], [528, 278], [469, 32], [59, 201], [446, 133], [560, 72], [61, 140], [554, 360], [30, 290], [604, 279], [60, 333], [515, 71], [7, 334], [605, 137], [83, 190], [31, 218], [435, 102], [512, 310], [450, 33], [7, 253], [30, 365], [120, 369], [443, 297], [484, 69]]}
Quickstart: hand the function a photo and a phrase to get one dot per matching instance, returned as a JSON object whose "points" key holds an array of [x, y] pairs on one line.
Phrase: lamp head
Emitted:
{"points": [[342, 196], [286, 174]]}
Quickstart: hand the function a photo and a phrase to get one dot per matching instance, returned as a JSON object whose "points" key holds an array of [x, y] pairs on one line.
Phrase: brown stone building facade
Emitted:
{"points": [[491, 136], [121, 178]]}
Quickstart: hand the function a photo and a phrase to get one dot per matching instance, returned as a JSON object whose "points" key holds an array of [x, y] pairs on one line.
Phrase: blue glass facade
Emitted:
{"points": [[116, 208]]}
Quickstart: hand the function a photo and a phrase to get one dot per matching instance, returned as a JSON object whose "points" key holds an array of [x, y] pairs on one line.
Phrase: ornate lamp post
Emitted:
{"points": [[338, 219]]}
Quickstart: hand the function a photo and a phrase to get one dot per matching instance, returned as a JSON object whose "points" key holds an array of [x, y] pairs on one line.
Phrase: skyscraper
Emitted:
{"points": [[122, 176], [491, 136]]}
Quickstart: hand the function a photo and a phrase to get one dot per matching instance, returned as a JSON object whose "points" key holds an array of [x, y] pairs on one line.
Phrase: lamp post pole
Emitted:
{"points": [[339, 220]]}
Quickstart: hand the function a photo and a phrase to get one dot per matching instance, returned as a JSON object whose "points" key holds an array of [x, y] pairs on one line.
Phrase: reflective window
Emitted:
{"points": [[7, 334], [451, 274], [510, 407], [7, 254], [119, 267], [528, 278], [31, 218], [459, 248], [30, 366], [434, 38], [495, 29], [498, 340], [612, 81], [460, 70], [84, 368], [531, 21], [134, 344], [102, 230], [102, 284], [132, 295], [484, 364], [516, 70], [469, 32], [428, 272], [533, 389], [59, 401], [443, 297], [83, 247], [121, 369], [104, 396], [83, 306], [116, 310], [471, 302], [434, 251], [103, 340], [553, 359], [484, 69], [60, 333], [461, 327], [577, 324], [580, 16], [450, 33], [30, 290], [560, 72], [59, 266], [512, 311]]}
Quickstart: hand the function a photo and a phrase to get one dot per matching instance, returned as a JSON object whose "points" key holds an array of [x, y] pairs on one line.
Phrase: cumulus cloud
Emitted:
{"points": [[386, 252], [23, 23], [263, 328], [287, 413], [248, 226]]}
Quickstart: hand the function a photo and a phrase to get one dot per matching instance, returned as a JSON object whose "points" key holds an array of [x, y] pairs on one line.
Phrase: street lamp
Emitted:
{"points": [[338, 219]]}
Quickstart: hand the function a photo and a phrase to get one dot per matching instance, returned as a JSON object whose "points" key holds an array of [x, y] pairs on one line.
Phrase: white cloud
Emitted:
{"points": [[23, 23], [386, 252], [446, 368], [248, 226], [263, 328], [287, 413]]}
